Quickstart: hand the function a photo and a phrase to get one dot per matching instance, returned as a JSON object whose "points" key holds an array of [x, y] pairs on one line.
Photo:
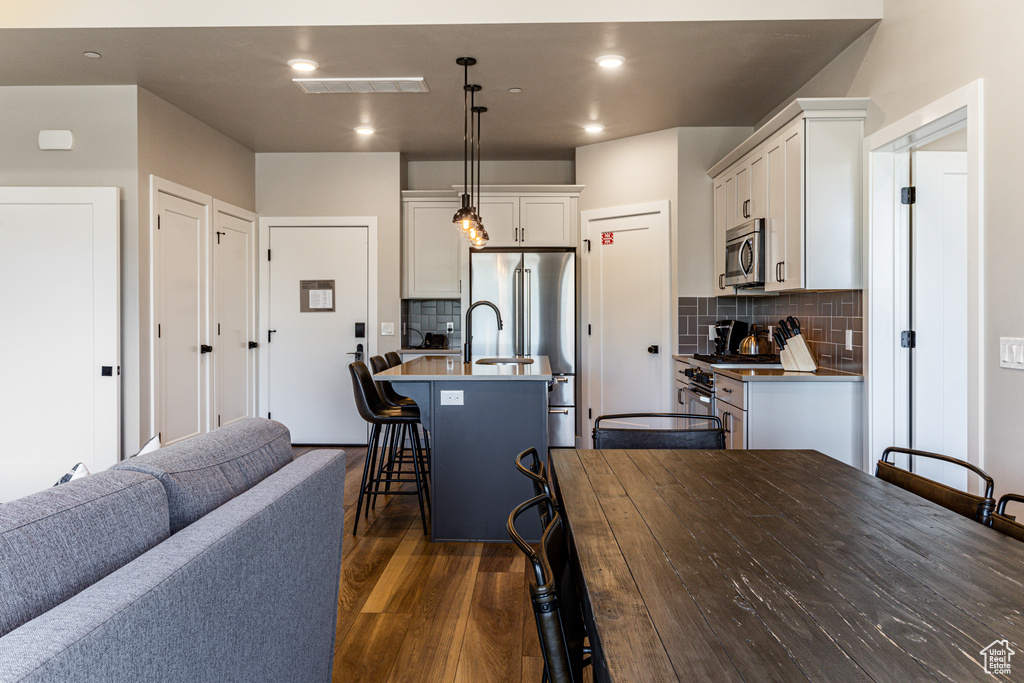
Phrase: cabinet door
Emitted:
{"points": [[545, 221], [758, 187], [734, 422], [784, 226], [731, 215], [501, 220], [720, 227], [431, 250], [742, 194]]}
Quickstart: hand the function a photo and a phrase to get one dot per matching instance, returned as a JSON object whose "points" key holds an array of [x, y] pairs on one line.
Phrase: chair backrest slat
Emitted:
{"points": [[978, 508], [711, 438]]}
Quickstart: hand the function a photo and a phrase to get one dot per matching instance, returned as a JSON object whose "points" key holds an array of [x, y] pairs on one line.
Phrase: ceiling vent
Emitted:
{"points": [[323, 86]]}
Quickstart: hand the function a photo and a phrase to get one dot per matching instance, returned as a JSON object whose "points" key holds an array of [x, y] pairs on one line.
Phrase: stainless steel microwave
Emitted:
{"points": [[744, 254]]}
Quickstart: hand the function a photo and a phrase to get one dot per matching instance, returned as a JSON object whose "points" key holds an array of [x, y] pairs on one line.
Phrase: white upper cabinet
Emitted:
{"points": [[801, 172], [530, 216], [431, 245]]}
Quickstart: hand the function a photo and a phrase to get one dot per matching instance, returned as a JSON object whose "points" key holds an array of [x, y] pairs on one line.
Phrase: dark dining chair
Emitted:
{"points": [[1004, 523], [556, 599], [712, 438], [530, 464], [978, 508]]}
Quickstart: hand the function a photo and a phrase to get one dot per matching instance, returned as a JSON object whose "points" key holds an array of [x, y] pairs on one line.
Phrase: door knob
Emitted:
{"points": [[652, 349]]}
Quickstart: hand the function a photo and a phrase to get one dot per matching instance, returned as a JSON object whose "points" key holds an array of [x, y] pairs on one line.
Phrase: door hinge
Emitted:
{"points": [[590, 413], [218, 329], [908, 195], [268, 414], [588, 245], [158, 221], [589, 330], [158, 330], [268, 254], [218, 420], [908, 339]]}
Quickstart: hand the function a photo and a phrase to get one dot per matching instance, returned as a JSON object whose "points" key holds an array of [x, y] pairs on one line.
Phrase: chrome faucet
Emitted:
{"points": [[469, 326]]}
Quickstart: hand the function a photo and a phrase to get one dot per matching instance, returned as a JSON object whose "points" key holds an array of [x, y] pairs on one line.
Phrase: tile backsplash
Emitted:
{"points": [[824, 318], [420, 316]]}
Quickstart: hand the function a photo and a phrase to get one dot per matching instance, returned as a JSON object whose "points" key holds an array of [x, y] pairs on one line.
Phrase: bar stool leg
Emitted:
{"points": [[418, 462], [371, 451], [419, 482]]}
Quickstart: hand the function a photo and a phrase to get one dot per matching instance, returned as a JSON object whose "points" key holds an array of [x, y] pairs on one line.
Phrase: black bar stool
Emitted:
{"points": [[390, 360], [375, 411], [393, 358]]}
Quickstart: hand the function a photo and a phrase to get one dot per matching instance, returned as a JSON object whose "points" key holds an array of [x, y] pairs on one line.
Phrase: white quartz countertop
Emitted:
{"points": [[451, 368], [779, 375]]}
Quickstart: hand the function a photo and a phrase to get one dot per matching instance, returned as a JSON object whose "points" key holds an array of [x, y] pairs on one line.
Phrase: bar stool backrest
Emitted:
{"points": [[530, 465], [393, 358], [378, 364], [978, 508], [369, 404]]}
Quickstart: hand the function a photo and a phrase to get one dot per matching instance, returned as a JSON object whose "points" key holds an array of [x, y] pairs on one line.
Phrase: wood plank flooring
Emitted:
{"points": [[412, 610]]}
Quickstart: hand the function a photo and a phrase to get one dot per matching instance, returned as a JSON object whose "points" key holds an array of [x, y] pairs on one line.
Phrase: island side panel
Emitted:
{"points": [[474, 481]]}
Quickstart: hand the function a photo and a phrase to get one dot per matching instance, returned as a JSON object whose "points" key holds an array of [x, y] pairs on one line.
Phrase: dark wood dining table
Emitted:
{"points": [[782, 565]]}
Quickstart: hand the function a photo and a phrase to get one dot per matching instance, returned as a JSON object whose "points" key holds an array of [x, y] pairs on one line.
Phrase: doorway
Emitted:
{"points": [[627, 331], [924, 266], [318, 315]]}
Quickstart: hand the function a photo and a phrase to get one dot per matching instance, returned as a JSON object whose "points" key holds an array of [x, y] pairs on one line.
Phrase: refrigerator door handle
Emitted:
{"points": [[516, 317], [528, 313]]}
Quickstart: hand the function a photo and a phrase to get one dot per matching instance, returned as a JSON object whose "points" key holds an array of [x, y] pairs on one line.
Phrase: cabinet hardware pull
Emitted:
{"points": [[721, 283], [746, 208], [726, 390], [558, 411]]}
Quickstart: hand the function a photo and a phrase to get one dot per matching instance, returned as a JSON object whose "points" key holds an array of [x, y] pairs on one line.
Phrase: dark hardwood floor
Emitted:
{"points": [[412, 610]]}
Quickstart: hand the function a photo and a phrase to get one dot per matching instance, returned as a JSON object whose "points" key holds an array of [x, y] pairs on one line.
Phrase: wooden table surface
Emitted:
{"points": [[782, 566]]}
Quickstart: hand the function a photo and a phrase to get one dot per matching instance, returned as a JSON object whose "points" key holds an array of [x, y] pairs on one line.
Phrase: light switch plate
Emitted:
{"points": [[451, 398], [849, 340], [1011, 353], [387, 329], [711, 333]]}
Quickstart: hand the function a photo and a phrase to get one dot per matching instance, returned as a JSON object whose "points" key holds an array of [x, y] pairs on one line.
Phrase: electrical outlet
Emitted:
{"points": [[451, 398], [849, 340], [449, 327], [387, 329], [1011, 353], [712, 335]]}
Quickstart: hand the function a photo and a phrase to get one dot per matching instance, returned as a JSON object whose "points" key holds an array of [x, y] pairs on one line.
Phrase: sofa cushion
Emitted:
{"points": [[55, 543], [204, 472]]}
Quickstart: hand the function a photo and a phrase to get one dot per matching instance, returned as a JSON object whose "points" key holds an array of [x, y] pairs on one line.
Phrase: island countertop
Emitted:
{"points": [[435, 368]]}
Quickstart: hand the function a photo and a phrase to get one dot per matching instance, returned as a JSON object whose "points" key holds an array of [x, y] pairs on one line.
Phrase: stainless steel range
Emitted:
{"points": [[696, 394]]}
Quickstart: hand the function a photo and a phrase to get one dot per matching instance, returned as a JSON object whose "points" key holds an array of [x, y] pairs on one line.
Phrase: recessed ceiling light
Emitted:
{"points": [[92, 55], [365, 130], [515, 90], [593, 127], [610, 61], [303, 64]]}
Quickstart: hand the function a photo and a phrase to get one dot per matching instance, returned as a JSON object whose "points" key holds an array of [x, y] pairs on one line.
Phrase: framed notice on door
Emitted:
{"points": [[316, 296]]}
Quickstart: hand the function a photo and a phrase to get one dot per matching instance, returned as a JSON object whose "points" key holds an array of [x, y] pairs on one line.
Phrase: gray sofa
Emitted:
{"points": [[214, 559]]}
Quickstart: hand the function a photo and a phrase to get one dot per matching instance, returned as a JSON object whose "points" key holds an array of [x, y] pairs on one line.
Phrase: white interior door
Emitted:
{"points": [[181, 274], [628, 306], [939, 312], [309, 385], [234, 302], [59, 274]]}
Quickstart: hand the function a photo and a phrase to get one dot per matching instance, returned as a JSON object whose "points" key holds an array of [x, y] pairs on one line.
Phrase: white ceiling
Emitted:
{"points": [[236, 80]]}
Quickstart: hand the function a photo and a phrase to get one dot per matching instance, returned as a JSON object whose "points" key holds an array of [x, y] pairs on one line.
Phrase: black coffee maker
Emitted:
{"points": [[729, 335]]}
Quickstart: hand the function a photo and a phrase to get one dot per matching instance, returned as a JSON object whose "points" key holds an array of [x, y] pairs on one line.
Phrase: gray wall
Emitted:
{"points": [[331, 184], [103, 119], [921, 51], [174, 146]]}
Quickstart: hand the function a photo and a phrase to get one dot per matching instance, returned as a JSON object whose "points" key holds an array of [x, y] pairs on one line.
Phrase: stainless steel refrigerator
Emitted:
{"points": [[536, 294]]}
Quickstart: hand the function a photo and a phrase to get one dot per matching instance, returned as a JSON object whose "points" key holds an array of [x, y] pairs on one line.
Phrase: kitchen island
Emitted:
{"points": [[479, 418]]}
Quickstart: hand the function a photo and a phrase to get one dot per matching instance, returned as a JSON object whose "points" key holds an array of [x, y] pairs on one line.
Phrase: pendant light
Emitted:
{"points": [[478, 235], [465, 216]]}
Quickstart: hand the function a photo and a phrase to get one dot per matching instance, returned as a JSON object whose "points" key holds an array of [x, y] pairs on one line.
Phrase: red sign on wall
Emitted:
{"points": [[607, 238]]}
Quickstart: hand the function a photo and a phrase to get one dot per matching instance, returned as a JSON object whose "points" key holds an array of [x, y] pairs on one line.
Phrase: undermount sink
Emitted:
{"points": [[504, 361]]}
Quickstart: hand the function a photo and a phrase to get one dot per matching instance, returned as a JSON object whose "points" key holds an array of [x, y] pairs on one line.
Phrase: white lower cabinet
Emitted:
{"points": [[814, 414]]}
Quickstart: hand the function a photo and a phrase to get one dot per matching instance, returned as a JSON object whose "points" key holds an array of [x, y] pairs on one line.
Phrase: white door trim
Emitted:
{"points": [[884, 150], [370, 223], [660, 218]]}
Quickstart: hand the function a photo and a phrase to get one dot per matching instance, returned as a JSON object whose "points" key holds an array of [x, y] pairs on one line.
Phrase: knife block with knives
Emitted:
{"points": [[793, 350]]}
